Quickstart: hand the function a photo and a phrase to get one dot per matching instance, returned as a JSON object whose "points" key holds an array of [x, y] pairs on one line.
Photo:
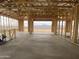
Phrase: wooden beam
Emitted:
{"points": [[53, 1], [65, 27], [55, 26], [68, 27], [59, 27], [71, 29], [75, 29], [30, 25], [62, 28], [21, 25], [52, 26]]}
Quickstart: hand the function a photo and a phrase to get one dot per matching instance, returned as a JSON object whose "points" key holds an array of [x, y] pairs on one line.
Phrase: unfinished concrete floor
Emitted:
{"points": [[39, 46]]}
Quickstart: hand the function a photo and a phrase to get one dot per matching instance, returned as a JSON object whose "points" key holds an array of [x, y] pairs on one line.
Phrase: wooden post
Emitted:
{"points": [[59, 27], [71, 29], [62, 28], [14, 33], [30, 25], [55, 27], [21, 25], [75, 29], [10, 33], [52, 26], [67, 27]]}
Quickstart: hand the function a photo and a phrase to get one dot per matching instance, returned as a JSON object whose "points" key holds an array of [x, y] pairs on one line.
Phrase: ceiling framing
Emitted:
{"points": [[37, 8]]}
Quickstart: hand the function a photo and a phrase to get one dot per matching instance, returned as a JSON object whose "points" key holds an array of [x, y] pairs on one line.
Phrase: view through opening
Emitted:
{"points": [[26, 26], [42, 26], [61, 27]]}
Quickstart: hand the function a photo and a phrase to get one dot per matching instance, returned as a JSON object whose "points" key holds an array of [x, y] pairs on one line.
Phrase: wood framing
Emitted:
{"points": [[30, 25], [21, 25]]}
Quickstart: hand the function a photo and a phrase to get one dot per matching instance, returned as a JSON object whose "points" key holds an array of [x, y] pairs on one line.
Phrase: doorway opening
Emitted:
{"points": [[42, 26], [25, 25], [61, 27]]}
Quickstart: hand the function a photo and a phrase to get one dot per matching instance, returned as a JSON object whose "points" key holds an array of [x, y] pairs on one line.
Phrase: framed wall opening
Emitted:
{"points": [[7, 26], [61, 27], [25, 25], [42, 26]]}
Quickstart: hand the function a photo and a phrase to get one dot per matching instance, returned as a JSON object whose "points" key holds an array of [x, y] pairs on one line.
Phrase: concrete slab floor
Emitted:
{"points": [[39, 46]]}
